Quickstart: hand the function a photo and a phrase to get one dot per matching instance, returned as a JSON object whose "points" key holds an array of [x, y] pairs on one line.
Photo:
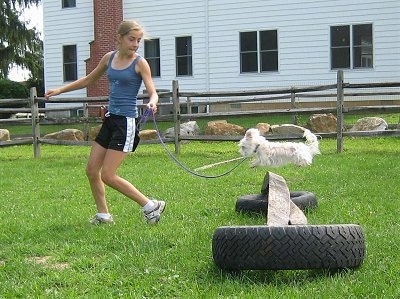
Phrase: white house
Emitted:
{"points": [[214, 45]]}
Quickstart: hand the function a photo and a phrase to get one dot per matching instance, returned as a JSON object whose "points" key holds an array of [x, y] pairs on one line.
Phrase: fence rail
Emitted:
{"points": [[185, 99]]}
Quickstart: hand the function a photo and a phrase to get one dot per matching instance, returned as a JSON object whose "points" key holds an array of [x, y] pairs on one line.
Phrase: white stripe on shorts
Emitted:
{"points": [[130, 134]]}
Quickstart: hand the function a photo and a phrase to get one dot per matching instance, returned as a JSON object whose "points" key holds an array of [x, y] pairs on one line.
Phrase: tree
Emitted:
{"points": [[19, 45]]}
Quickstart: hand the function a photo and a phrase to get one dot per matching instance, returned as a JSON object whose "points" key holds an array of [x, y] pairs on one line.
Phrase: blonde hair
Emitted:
{"points": [[126, 26]]}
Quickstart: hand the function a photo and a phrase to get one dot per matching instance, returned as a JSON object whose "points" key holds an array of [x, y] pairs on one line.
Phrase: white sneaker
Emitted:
{"points": [[154, 215], [96, 220]]}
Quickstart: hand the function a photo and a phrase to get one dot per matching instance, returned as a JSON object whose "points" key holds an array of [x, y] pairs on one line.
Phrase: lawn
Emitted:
{"points": [[49, 250]]}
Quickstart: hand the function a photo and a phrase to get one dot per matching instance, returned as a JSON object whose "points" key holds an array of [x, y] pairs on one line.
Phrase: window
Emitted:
{"points": [[351, 47], [70, 63], [248, 52], [259, 51], [340, 47], [152, 55], [362, 46], [183, 46], [268, 51], [68, 3]]}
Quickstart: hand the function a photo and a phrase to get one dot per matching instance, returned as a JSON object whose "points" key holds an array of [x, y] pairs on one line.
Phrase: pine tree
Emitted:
{"points": [[19, 45]]}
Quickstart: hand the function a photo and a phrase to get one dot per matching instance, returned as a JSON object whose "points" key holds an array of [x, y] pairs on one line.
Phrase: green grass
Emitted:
{"points": [[48, 249]]}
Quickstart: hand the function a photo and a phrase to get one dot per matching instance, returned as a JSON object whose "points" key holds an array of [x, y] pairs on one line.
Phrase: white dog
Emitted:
{"points": [[278, 153]]}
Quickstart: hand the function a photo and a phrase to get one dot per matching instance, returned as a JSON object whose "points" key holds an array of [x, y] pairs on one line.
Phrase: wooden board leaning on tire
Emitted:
{"points": [[258, 203], [292, 247]]}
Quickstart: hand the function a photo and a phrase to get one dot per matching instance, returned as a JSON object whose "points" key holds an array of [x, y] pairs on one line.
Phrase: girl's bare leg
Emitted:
{"points": [[93, 173], [111, 161]]}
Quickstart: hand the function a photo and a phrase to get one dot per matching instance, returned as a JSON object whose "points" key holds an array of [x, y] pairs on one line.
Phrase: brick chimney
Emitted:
{"points": [[107, 16]]}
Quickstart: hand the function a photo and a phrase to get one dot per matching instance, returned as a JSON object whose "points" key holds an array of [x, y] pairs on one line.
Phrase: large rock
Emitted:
{"points": [[264, 128], [189, 128], [4, 135], [222, 127], [287, 129], [93, 132], [370, 124], [148, 134], [67, 134], [322, 123]]}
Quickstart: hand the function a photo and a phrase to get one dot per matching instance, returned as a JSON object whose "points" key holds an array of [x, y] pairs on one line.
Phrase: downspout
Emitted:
{"points": [[207, 50], [206, 44]]}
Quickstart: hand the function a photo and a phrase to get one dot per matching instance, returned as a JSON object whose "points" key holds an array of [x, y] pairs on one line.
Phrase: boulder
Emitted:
{"points": [[287, 129], [148, 134], [370, 124], [322, 123], [4, 135], [67, 134], [264, 128], [222, 127], [93, 132], [189, 128]]}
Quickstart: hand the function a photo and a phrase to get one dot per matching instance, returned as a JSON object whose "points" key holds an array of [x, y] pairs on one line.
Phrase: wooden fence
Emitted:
{"points": [[184, 101]]}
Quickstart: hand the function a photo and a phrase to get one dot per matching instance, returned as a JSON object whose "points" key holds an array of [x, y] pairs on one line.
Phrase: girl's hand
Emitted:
{"points": [[152, 107], [52, 92]]}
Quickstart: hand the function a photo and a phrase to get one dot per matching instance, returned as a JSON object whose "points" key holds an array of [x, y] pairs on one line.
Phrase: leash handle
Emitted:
{"points": [[145, 116]]}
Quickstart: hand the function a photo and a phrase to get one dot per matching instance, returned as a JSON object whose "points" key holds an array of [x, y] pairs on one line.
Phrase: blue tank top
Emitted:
{"points": [[124, 88]]}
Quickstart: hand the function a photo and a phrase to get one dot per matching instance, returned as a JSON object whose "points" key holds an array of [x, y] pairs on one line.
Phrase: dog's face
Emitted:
{"points": [[249, 143]]}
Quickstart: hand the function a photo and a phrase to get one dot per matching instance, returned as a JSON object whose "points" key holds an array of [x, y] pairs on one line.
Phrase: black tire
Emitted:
{"points": [[258, 203], [288, 247]]}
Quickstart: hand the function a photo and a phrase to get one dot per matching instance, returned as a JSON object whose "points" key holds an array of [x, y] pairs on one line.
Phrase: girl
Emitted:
{"points": [[125, 71]]}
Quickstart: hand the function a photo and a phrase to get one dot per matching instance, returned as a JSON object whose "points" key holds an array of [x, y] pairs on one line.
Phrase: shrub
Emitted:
{"points": [[13, 90]]}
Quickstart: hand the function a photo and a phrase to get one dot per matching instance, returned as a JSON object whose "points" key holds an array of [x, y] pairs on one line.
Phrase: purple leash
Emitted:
{"points": [[143, 121], [145, 116]]}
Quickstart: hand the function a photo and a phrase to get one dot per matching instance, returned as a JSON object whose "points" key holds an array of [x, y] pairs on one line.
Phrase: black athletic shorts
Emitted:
{"points": [[119, 133]]}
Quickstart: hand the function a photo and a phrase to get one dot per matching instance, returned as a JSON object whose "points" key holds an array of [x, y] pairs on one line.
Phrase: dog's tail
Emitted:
{"points": [[312, 142]]}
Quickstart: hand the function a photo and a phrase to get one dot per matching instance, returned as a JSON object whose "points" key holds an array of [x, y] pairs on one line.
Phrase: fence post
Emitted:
{"points": [[86, 121], [177, 115], [189, 105], [339, 107], [35, 122], [293, 106]]}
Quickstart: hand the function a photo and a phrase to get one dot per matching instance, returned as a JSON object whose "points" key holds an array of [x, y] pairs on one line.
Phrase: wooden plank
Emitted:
{"points": [[383, 109], [16, 142], [278, 213], [176, 115], [373, 85], [11, 102], [15, 110], [258, 92], [259, 112], [73, 99], [385, 133], [16, 121], [64, 142], [35, 122], [249, 96], [339, 112]]}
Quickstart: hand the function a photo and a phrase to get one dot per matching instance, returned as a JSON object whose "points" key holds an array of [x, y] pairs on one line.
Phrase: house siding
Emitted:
{"points": [[167, 20], [66, 26], [303, 39]]}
